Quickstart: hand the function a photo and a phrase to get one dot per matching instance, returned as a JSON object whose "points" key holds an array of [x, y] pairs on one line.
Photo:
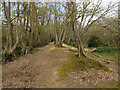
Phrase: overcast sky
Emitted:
{"points": [[105, 2], [58, 0]]}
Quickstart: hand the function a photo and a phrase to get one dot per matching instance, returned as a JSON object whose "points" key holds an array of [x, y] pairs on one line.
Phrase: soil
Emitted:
{"points": [[38, 70]]}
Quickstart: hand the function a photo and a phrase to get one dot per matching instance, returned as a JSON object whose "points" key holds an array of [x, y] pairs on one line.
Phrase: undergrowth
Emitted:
{"points": [[34, 50]]}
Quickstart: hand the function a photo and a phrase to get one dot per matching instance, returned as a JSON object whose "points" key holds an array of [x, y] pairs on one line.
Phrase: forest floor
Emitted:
{"points": [[38, 70]]}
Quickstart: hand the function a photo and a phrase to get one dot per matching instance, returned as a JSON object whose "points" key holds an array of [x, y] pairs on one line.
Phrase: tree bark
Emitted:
{"points": [[55, 27], [32, 27], [9, 47], [76, 34]]}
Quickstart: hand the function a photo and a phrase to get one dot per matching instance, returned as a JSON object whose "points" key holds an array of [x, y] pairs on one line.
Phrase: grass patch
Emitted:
{"points": [[110, 53], [107, 52], [97, 55], [76, 63], [61, 49], [72, 50], [112, 84], [109, 56], [57, 49]]}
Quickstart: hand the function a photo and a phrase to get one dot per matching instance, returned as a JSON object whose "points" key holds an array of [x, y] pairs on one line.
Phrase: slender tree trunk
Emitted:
{"points": [[9, 47], [23, 30], [32, 27], [55, 27], [76, 34], [81, 52], [68, 41], [65, 30], [8, 40], [64, 34]]}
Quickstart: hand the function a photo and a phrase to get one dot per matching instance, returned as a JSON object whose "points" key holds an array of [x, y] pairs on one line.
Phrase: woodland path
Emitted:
{"points": [[37, 70], [33, 70]]}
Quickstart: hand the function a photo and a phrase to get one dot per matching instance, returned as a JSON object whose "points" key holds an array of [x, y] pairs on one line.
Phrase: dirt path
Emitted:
{"points": [[34, 70], [38, 71]]}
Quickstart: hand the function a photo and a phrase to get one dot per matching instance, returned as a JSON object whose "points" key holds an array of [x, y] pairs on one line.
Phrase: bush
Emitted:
{"points": [[94, 41], [106, 49], [72, 44], [18, 50]]}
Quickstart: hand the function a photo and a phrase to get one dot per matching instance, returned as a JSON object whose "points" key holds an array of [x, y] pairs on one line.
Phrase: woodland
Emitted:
{"points": [[90, 27]]}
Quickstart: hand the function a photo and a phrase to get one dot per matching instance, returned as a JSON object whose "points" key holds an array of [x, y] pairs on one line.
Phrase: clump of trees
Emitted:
{"points": [[28, 25], [105, 31]]}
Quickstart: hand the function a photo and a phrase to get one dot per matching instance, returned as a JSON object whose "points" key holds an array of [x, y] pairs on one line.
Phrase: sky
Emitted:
{"points": [[104, 2], [58, 0]]}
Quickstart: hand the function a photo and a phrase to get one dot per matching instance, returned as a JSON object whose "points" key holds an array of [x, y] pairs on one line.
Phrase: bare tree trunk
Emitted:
{"points": [[17, 38], [23, 30], [22, 37], [76, 34], [8, 47], [55, 27], [60, 35], [66, 25], [63, 32], [85, 41], [81, 52], [68, 41], [32, 27]]}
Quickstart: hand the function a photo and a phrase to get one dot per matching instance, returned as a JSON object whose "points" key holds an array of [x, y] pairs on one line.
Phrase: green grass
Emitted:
{"points": [[76, 63], [111, 56], [56, 49], [62, 49], [72, 50], [110, 53], [112, 84]]}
